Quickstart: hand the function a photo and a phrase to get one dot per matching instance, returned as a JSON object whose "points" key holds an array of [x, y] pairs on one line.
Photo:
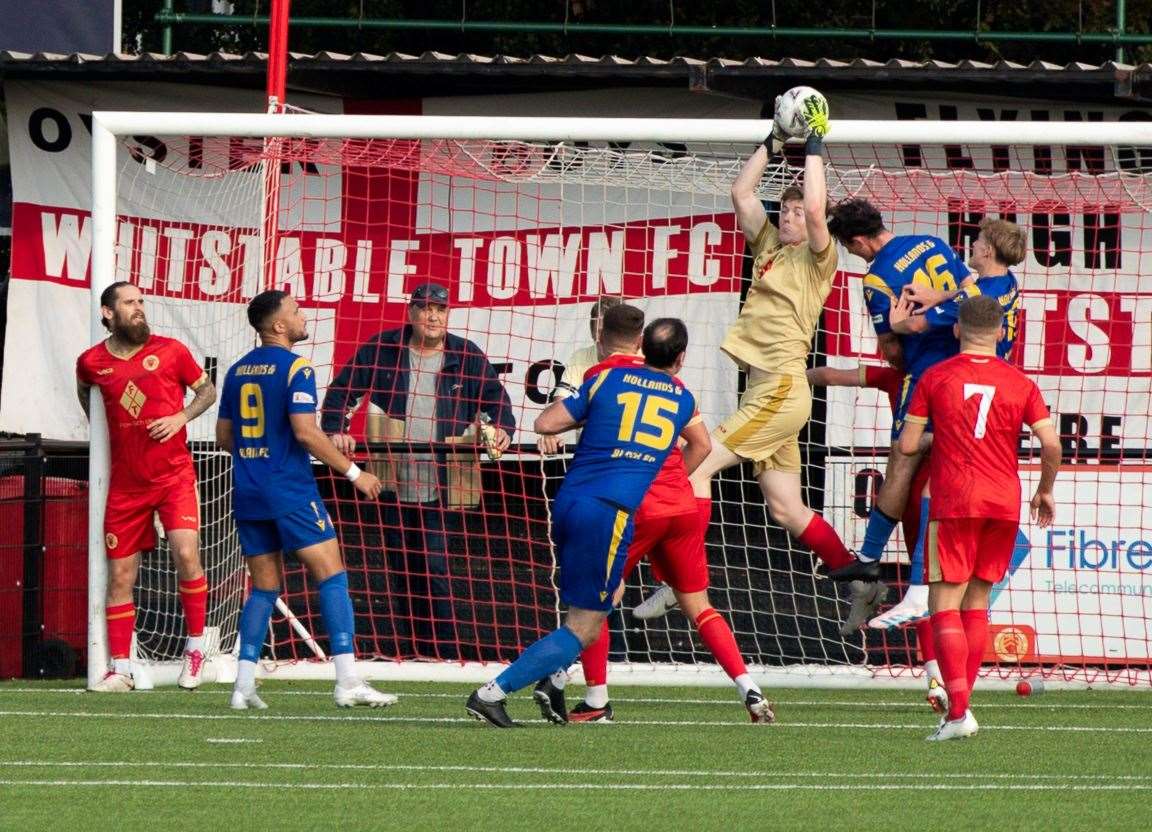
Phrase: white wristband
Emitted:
{"points": [[353, 472]]}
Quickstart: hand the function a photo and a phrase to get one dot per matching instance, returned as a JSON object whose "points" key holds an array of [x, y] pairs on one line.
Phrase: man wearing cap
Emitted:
{"points": [[423, 384]]}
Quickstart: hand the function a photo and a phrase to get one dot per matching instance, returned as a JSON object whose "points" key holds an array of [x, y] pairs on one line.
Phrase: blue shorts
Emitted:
{"points": [[905, 399], [306, 526], [592, 538]]}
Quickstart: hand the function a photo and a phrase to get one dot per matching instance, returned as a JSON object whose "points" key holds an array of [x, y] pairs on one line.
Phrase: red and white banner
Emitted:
{"points": [[522, 280]]}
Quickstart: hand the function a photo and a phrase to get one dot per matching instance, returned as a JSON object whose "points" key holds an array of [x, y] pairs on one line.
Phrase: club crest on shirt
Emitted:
{"points": [[151, 362], [111, 541]]}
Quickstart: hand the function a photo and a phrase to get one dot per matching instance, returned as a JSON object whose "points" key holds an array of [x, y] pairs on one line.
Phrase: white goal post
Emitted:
{"points": [[1064, 192]]}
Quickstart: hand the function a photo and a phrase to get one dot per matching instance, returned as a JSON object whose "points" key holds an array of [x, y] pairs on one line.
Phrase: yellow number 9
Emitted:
{"points": [[252, 410]]}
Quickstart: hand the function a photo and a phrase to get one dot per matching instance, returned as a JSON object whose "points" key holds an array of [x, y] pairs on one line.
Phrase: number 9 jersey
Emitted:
{"points": [[271, 471], [632, 418]]}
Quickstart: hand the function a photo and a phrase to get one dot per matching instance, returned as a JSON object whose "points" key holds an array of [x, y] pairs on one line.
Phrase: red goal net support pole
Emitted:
{"points": [[277, 82]]}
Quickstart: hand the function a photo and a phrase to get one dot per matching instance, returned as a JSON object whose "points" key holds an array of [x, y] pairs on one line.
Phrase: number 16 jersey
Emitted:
{"points": [[632, 419], [977, 404], [271, 470]]}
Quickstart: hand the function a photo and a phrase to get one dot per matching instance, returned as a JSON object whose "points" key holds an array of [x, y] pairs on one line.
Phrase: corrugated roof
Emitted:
{"points": [[349, 74]]}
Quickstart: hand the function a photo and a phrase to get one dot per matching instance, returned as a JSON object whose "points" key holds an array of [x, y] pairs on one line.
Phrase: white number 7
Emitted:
{"points": [[986, 392]]}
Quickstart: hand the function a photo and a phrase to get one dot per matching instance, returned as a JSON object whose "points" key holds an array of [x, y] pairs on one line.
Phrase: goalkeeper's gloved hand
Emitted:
{"points": [[775, 140], [815, 115]]}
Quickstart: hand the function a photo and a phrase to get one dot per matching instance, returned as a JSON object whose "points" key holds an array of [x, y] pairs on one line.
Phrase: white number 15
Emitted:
{"points": [[986, 392]]}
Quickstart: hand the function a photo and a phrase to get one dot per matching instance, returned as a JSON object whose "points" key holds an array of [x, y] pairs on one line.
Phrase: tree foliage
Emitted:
{"points": [[141, 32]]}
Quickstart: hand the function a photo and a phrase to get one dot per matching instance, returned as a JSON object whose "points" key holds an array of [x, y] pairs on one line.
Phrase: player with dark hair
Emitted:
{"points": [[670, 529], [268, 423], [895, 262], [978, 404], [770, 339], [143, 379], [631, 419]]}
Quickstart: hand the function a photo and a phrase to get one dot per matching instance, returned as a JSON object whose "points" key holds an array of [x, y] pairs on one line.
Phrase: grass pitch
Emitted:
{"points": [[676, 759]]}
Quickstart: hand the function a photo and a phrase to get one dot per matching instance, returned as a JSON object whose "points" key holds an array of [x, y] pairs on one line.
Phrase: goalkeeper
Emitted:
{"points": [[770, 340]]}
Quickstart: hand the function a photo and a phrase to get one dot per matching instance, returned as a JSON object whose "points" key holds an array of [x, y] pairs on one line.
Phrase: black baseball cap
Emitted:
{"points": [[429, 293]]}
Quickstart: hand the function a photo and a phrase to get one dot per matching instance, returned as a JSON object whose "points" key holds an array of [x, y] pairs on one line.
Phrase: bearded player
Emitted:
{"points": [[977, 403], [670, 529], [143, 379], [267, 422], [770, 340]]}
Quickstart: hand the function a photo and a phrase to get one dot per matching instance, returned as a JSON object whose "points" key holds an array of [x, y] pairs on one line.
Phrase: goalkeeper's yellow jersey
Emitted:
{"points": [[774, 330]]}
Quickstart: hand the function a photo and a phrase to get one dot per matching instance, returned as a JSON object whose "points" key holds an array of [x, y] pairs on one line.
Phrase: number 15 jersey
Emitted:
{"points": [[632, 418], [977, 404], [271, 471]]}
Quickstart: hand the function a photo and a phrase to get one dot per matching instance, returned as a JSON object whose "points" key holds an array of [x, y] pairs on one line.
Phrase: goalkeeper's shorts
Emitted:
{"points": [[592, 538], [766, 426]]}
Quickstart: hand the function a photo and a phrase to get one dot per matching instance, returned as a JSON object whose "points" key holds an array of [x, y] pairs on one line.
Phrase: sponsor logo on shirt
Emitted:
{"points": [[133, 399], [107, 371], [151, 362], [303, 398]]}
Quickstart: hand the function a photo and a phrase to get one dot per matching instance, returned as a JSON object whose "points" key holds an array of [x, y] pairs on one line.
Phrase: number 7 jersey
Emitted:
{"points": [[977, 404], [632, 419], [271, 470]]}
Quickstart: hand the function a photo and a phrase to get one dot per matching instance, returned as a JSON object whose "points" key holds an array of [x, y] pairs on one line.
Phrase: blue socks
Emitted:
{"points": [[554, 652], [880, 527], [916, 572], [254, 620], [336, 610]]}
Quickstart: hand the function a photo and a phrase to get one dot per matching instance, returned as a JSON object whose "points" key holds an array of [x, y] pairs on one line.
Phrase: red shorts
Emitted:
{"points": [[675, 546], [128, 526], [959, 549]]}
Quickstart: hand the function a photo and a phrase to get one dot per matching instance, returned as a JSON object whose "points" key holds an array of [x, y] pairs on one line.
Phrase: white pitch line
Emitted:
{"points": [[871, 776], [689, 787], [807, 703], [665, 723], [230, 740]]}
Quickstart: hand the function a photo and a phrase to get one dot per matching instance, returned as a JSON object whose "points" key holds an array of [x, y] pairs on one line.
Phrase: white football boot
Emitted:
{"points": [[190, 669], [956, 729], [658, 604], [245, 700], [362, 693], [912, 607], [114, 682]]}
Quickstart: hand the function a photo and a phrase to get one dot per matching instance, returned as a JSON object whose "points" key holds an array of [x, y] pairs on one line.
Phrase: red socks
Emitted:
{"points": [[717, 637], [976, 632], [121, 622], [594, 658], [823, 540], [194, 599], [925, 639], [952, 655]]}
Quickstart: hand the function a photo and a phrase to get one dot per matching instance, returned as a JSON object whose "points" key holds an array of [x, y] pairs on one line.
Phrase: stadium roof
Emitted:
{"points": [[358, 74]]}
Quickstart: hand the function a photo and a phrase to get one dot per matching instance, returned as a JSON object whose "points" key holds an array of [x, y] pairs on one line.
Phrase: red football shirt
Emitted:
{"points": [[670, 493], [886, 379], [136, 391], [977, 404]]}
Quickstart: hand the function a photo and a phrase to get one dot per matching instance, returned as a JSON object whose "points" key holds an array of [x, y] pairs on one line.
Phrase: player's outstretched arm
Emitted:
{"points": [[1043, 503], [910, 438], [224, 434], [308, 434], [832, 377], [750, 213], [816, 196]]}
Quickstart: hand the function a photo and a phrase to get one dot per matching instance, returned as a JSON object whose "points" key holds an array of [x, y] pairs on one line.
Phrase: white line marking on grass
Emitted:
{"points": [[913, 700], [230, 740], [791, 774], [751, 787], [664, 723]]}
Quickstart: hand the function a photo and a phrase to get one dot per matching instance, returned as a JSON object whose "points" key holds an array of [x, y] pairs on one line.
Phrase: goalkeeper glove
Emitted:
{"points": [[775, 141], [815, 115]]}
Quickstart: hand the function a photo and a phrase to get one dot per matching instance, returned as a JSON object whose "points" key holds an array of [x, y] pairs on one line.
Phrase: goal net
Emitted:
{"points": [[527, 224]]}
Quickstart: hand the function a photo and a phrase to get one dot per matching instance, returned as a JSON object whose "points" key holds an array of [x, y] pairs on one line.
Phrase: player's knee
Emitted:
{"points": [[789, 512]]}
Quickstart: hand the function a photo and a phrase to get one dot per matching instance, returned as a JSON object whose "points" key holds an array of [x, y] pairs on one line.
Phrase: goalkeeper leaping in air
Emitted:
{"points": [[791, 279]]}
